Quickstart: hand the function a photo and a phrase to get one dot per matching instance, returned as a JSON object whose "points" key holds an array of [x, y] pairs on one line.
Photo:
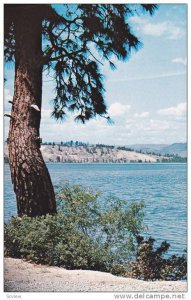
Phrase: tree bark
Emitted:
{"points": [[30, 177]]}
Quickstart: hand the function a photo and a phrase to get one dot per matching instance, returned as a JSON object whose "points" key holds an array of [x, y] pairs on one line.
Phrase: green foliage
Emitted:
{"points": [[150, 263], [88, 233], [110, 223], [174, 159], [84, 234]]}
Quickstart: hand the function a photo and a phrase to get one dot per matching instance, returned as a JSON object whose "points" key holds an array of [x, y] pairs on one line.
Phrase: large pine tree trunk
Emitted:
{"points": [[30, 176]]}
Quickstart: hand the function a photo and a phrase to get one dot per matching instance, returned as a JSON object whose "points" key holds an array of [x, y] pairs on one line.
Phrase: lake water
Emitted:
{"points": [[163, 188]]}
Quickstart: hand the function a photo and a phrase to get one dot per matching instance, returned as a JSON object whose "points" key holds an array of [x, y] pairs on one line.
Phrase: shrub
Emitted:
{"points": [[119, 270], [110, 223], [150, 263], [86, 233]]}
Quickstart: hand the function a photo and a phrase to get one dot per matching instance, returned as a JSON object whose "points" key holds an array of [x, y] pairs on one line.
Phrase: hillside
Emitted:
{"points": [[179, 149], [91, 154], [100, 154]]}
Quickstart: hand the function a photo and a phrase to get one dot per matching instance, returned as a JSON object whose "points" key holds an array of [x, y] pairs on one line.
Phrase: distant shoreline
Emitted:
{"points": [[112, 163], [103, 154]]}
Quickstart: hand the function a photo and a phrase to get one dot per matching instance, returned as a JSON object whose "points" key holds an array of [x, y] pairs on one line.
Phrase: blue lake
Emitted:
{"points": [[163, 188]]}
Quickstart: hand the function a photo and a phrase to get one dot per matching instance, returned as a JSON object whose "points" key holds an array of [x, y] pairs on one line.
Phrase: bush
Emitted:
{"points": [[151, 264], [86, 233]]}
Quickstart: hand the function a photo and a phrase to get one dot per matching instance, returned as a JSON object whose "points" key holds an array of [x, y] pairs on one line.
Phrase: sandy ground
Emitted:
{"points": [[22, 276]]}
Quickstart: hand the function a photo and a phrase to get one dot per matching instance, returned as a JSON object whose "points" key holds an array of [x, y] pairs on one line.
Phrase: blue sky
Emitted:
{"points": [[146, 96]]}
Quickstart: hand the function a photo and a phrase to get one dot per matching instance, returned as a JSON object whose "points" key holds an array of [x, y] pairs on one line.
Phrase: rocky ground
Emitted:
{"points": [[22, 276]]}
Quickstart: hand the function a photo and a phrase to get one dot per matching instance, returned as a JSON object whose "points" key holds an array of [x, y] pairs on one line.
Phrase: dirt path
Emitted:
{"points": [[22, 276]]}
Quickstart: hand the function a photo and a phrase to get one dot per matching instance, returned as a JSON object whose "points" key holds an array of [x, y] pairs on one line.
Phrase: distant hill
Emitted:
{"points": [[177, 148], [94, 154], [107, 154], [147, 147]]}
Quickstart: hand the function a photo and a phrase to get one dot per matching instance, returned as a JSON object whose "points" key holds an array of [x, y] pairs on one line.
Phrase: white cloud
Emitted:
{"points": [[174, 32], [180, 60], [154, 29], [156, 130], [7, 95], [136, 128], [158, 125], [148, 77], [92, 131], [118, 109], [137, 20], [174, 111], [141, 115], [46, 113], [168, 29]]}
